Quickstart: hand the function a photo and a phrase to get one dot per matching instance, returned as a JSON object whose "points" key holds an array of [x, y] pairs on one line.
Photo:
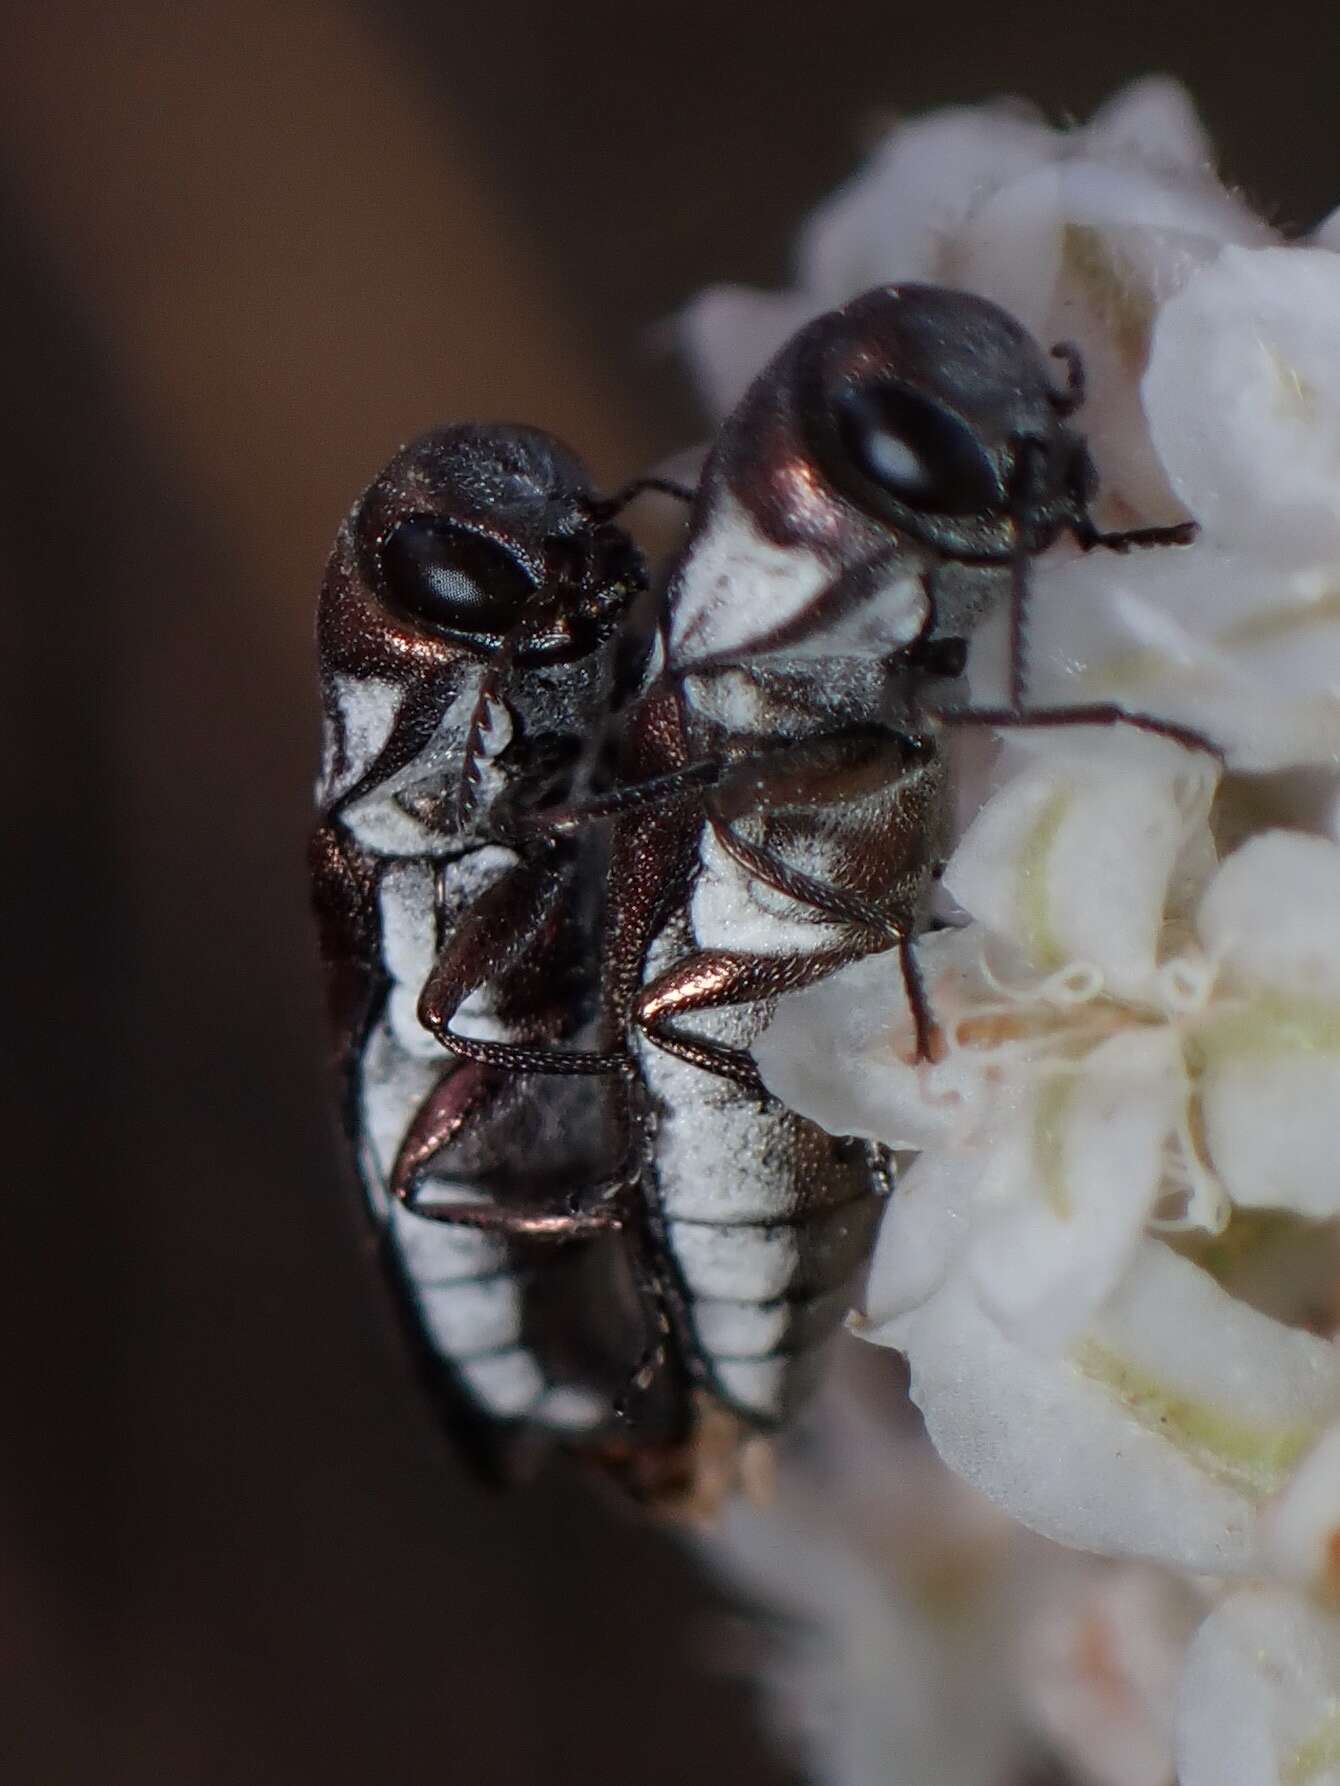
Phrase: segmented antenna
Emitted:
{"points": [[481, 723]]}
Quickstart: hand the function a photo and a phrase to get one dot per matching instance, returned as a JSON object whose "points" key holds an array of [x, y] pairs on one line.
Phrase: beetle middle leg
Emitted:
{"points": [[1017, 714], [865, 776], [492, 937], [716, 979]]}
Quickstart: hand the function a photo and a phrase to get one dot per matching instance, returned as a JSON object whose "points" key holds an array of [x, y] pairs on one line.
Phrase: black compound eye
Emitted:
{"points": [[922, 454], [444, 576]]}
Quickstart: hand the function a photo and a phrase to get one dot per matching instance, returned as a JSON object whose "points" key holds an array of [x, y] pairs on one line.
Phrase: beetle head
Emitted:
{"points": [[478, 560], [913, 441], [935, 413]]}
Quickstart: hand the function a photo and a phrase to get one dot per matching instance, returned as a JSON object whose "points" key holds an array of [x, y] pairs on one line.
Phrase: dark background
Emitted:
{"points": [[248, 248]]}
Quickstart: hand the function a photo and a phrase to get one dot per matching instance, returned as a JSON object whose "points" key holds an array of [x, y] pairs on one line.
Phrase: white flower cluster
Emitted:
{"points": [[1113, 1260]]}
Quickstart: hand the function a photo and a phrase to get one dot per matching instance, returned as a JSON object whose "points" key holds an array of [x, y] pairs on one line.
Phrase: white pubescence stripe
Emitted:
{"points": [[437, 1254], [572, 1409], [367, 708], [715, 1154], [731, 909], [507, 1383], [394, 1084], [737, 589], [407, 899], [473, 1316], [736, 586], [384, 827], [740, 1264], [728, 1328], [755, 1383]]}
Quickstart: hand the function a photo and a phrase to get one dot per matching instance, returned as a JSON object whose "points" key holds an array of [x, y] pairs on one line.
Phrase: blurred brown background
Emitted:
{"points": [[247, 249]]}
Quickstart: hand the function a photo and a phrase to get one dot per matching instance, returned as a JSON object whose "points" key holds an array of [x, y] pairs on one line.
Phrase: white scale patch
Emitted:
{"points": [[755, 1383], [384, 827], [730, 909], [572, 1409], [394, 1084], [367, 712], [438, 1253], [409, 937], [732, 699], [466, 1318], [475, 1017], [714, 1148], [730, 1329], [495, 734], [512, 1386], [735, 1264], [471, 1308], [736, 586], [887, 619], [495, 729], [409, 942], [508, 1383]]}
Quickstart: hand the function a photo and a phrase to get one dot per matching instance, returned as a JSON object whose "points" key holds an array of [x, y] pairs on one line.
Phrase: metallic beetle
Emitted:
{"points": [[882, 485], [470, 632], [779, 809]]}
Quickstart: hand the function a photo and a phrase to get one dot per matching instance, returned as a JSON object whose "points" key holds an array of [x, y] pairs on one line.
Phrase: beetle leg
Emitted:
{"points": [[1096, 713], [713, 979], [456, 1101], [523, 1224], [633, 797], [1178, 533], [496, 932], [1017, 714]]}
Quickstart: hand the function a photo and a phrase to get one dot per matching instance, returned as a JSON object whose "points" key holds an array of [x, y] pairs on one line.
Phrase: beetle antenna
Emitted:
{"points": [[1017, 648], [467, 791], [605, 508]]}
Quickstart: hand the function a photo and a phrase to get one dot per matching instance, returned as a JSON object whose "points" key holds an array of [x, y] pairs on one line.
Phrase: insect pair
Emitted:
{"points": [[567, 862]]}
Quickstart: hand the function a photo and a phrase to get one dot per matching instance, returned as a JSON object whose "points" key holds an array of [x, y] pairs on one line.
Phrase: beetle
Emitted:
{"points": [[473, 643], [882, 486]]}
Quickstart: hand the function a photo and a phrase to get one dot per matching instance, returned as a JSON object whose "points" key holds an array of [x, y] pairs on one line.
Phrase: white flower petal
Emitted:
{"points": [[1242, 650], [1259, 1700], [1270, 1110], [730, 332], [899, 1589], [1270, 1083], [1269, 916], [1158, 1435], [897, 219], [1243, 398], [922, 1234], [1085, 250], [843, 1052], [1058, 1227], [1057, 1452], [1153, 119], [1302, 1527], [1100, 1665], [1072, 859]]}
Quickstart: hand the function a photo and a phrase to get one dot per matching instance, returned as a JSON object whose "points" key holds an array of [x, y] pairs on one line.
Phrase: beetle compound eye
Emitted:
{"points": [[920, 453], [444, 576]]}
